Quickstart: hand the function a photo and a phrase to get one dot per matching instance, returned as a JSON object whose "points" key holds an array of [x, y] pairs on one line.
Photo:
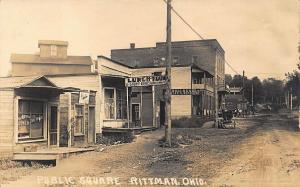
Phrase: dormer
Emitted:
{"points": [[53, 49]]}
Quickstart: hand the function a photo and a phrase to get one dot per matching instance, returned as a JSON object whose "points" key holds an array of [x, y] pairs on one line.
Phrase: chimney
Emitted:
{"points": [[132, 45]]}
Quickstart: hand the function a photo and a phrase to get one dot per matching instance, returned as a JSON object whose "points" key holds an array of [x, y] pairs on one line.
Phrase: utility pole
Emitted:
{"points": [[291, 99], [252, 94], [244, 94], [168, 73]]}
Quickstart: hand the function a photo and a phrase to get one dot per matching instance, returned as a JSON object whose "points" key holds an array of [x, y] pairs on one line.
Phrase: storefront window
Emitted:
{"points": [[109, 103], [121, 104], [30, 119], [115, 107], [79, 120]]}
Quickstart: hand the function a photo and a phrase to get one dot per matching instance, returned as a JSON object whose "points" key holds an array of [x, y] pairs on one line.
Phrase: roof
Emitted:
{"points": [[17, 82], [213, 42], [36, 59], [53, 42], [115, 61]]}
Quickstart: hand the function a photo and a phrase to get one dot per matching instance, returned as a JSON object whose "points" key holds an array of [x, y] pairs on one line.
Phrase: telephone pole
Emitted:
{"points": [[168, 73], [252, 95], [244, 108]]}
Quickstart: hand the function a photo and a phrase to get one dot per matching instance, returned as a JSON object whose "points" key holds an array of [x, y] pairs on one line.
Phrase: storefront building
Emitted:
{"points": [[29, 113]]}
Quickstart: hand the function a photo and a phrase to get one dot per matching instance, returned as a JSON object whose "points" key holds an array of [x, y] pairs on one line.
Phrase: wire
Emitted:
{"points": [[189, 25]]}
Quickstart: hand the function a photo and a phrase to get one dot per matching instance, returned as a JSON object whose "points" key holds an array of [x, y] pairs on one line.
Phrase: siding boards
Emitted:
{"points": [[6, 123]]}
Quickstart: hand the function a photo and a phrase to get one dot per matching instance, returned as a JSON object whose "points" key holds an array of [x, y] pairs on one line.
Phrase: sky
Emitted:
{"points": [[258, 36]]}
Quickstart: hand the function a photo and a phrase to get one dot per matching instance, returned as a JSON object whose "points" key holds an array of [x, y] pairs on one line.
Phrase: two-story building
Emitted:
{"points": [[208, 55]]}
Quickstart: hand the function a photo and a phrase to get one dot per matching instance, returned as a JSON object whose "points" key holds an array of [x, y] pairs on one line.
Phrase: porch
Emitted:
{"points": [[53, 155]]}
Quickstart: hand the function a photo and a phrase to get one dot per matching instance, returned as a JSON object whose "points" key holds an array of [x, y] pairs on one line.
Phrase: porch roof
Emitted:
{"points": [[27, 82]]}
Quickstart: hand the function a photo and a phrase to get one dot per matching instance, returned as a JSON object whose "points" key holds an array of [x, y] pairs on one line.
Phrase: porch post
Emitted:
{"points": [[141, 107], [127, 98], [154, 107]]}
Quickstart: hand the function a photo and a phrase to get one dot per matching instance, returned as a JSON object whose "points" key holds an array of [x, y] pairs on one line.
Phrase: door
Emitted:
{"points": [[162, 115], [135, 111], [53, 126], [91, 126]]}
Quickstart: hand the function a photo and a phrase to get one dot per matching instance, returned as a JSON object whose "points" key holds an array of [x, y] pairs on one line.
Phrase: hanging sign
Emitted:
{"points": [[145, 81], [187, 91], [84, 97]]}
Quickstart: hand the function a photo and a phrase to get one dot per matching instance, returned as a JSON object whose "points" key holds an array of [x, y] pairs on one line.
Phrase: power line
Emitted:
{"points": [[189, 25]]}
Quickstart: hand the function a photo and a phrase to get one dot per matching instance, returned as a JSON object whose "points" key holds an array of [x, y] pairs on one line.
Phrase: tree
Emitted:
{"points": [[228, 79], [237, 81], [273, 91], [293, 83]]}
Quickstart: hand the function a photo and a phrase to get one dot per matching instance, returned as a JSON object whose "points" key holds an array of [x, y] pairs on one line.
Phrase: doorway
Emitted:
{"points": [[91, 127], [162, 115], [135, 112], [53, 132]]}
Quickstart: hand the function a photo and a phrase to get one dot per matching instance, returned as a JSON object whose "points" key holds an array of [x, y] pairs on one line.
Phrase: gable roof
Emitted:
{"points": [[29, 81], [36, 59]]}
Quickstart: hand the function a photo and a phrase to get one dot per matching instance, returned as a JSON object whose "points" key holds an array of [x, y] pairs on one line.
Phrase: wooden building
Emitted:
{"points": [[77, 118], [29, 113], [52, 59], [192, 91], [37, 113]]}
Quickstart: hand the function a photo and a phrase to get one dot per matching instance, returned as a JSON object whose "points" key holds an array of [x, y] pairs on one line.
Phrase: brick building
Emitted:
{"points": [[208, 55]]}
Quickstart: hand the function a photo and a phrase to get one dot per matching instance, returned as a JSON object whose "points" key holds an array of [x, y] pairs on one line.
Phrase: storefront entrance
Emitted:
{"points": [[53, 132], [135, 111]]}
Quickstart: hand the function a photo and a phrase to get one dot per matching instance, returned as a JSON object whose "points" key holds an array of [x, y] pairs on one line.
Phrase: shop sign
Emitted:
{"points": [[84, 97], [187, 91], [145, 81]]}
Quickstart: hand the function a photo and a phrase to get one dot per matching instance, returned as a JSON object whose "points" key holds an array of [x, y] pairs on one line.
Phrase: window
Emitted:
{"points": [[155, 61], [194, 59], [121, 104], [79, 120], [53, 50], [157, 73], [109, 103], [175, 60], [30, 120], [115, 104]]}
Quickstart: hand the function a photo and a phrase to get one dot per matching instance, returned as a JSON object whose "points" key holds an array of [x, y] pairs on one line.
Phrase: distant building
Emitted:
{"points": [[51, 59], [205, 54], [235, 90]]}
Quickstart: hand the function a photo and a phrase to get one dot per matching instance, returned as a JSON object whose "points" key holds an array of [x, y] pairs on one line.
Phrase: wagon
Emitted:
{"points": [[225, 119]]}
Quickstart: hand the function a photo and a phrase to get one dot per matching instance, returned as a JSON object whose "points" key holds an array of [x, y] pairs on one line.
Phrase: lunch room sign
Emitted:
{"points": [[145, 81]]}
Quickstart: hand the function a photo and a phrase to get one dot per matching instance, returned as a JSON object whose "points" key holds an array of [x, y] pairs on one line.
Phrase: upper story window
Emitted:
{"points": [[155, 61], [53, 50], [158, 73], [194, 59], [175, 60]]}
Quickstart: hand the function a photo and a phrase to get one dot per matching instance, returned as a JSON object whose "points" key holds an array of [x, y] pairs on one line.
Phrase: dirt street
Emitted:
{"points": [[262, 151]]}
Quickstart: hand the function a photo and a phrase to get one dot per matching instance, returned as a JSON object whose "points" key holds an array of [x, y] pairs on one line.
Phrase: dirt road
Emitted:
{"points": [[269, 158], [263, 151]]}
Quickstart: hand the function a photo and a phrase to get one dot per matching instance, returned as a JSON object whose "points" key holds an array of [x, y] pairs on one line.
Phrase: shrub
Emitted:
{"points": [[192, 122]]}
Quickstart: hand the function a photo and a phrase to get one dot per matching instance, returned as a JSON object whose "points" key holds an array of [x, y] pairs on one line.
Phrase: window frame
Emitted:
{"points": [[82, 133], [115, 103], [53, 50], [16, 118], [193, 56], [173, 58]]}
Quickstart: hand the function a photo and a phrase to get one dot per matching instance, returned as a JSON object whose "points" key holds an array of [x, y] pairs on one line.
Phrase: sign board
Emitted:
{"points": [[187, 91], [84, 97], [145, 81]]}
